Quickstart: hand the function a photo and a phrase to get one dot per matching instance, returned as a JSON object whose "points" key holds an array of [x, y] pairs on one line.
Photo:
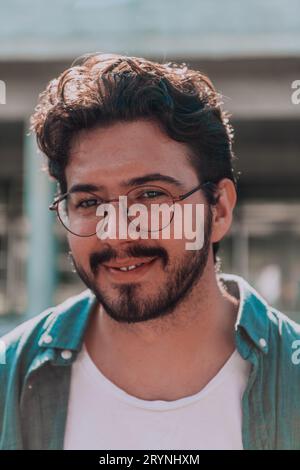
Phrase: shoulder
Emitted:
{"points": [[27, 348], [284, 335], [21, 345], [273, 332], [283, 324], [18, 349], [23, 338]]}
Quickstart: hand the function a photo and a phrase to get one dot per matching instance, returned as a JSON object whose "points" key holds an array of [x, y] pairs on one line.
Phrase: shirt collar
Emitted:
{"points": [[66, 326], [254, 314]]}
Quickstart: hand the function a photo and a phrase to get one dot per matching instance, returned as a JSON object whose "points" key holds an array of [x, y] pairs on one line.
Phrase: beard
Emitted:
{"points": [[129, 305]]}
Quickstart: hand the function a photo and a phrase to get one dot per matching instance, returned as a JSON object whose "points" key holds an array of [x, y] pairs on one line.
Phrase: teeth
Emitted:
{"points": [[129, 268]]}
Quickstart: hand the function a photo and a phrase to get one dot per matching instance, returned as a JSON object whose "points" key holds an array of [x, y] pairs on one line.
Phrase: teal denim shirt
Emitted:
{"points": [[35, 380]]}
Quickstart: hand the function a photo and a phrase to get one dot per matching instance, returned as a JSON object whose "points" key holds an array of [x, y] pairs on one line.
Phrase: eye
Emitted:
{"points": [[87, 203], [152, 193]]}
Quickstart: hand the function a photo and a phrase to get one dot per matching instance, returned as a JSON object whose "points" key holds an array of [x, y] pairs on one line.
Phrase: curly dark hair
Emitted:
{"points": [[100, 89]]}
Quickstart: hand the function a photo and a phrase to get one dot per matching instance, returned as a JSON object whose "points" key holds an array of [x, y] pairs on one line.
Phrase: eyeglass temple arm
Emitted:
{"points": [[183, 196], [57, 199]]}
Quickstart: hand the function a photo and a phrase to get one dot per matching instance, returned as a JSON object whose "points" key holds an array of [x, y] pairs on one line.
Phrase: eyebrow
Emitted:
{"points": [[85, 187], [150, 178], [136, 181]]}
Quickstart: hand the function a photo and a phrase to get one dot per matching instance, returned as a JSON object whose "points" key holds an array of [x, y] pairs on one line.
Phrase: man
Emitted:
{"points": [[161, 351]]}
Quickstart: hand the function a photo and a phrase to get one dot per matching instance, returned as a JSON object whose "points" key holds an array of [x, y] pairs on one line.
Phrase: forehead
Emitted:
{"points": [[124, 150]]}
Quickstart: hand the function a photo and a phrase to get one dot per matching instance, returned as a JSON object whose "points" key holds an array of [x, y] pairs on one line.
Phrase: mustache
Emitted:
{"points": [[137, 251]]}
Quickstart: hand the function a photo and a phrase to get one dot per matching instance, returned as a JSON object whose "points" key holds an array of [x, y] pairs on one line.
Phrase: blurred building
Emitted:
{"points": [[251, 51]]}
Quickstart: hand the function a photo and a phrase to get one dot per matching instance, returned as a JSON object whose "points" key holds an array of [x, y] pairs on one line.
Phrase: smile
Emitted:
{"points": [[130, 269]]}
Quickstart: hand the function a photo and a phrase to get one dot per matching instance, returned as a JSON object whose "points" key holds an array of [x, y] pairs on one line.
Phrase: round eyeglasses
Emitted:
{"points": [[84, 213]]}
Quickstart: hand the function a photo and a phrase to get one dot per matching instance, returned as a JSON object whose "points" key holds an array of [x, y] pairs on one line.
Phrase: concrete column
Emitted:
{"points": [[39, 223]]}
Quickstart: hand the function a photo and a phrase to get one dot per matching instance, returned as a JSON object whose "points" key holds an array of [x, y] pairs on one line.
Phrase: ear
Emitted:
{"points": [[222, 211]]}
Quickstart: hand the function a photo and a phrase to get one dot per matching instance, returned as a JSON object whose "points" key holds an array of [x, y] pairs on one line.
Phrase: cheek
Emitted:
{"points": [[175, 248], [81, 249]]}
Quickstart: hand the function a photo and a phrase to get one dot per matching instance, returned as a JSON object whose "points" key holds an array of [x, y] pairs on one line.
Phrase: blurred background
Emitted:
{"points": [[250, 50]]}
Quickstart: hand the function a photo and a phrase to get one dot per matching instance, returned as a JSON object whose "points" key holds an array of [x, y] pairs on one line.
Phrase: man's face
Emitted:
{"points": [[108, 158]]}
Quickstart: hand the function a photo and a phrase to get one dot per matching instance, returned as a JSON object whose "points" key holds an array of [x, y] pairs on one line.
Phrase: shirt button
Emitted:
{"points": [[47, 339], [30, 386], [262, 342], [66, 354]]}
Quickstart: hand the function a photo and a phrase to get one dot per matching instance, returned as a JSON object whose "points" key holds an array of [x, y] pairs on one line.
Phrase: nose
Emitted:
{"points": [[114, 221]]}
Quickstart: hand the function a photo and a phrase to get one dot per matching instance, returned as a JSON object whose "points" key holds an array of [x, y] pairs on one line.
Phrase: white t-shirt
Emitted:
{"points": [[103, 416]]}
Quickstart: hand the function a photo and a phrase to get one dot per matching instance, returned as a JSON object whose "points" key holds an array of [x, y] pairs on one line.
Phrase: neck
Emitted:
{"points": [[171, 357]]}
